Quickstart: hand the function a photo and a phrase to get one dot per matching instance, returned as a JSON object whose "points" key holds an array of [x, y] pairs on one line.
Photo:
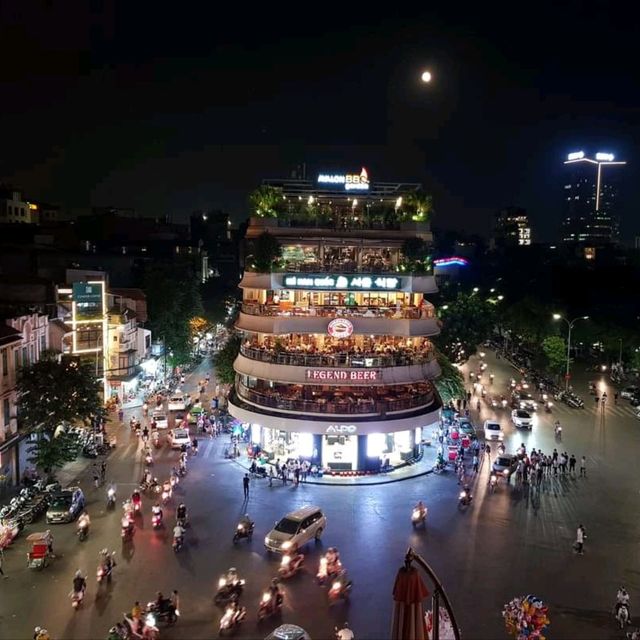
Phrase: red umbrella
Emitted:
{"points": [[409, 591]]}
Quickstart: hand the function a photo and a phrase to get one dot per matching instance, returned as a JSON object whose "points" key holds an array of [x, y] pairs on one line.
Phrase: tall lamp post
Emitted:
{"points": [[557, 316]]}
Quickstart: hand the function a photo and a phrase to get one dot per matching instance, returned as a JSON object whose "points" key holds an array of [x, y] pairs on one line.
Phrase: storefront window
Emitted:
{"points": [[391, 448], [283, 444], [376, 444], [340, 452]]}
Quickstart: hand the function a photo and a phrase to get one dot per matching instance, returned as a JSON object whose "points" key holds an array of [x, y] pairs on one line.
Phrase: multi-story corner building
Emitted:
{"points": [[23, 338], [336, 363], [512, 228]]}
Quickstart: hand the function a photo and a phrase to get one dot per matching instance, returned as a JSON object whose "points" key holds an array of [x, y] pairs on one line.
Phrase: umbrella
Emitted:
{"points": [[409, 591]]}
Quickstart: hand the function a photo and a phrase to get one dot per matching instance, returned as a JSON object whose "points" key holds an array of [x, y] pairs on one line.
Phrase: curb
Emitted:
{"points": [[355, 483]]}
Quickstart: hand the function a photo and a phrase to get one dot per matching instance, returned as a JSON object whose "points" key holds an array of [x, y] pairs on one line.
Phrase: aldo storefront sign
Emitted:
{"points": [[343, 375]]}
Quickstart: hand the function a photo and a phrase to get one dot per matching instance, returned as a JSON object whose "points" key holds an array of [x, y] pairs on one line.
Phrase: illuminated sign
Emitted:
{"points": [[364, 283], [88, 300], [605, 157], [576, 155], [351, 181], [454, 261], [342, 429], [343, 375], [340, 328]]}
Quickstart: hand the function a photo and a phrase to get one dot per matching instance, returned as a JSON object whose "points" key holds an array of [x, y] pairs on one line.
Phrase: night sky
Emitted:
{"points": [[173, 107]]}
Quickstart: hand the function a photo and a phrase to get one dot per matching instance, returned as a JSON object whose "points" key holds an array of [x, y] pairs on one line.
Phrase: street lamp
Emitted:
{"points": [[557, 316]]}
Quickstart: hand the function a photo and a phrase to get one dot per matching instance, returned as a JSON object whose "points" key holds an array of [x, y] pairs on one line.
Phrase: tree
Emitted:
{"points": [[529, 319], [53, 393], [555, 351], [467, 322], [266, 249], [266, 201], [173, 299], [224, 359], [419, 206], [450, 383], [415, 252]]}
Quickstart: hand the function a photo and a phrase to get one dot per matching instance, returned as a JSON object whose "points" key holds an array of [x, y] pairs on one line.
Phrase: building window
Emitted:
{"points": [[5, 363], [25, 357], [43, 343], [6, 412], [16, 357]]}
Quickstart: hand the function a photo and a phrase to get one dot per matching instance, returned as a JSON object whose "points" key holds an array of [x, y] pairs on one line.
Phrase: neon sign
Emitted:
{"points": [[351, 181], [342, 429], [454, 261], [340, 328], [342, 375], [364, 283]]}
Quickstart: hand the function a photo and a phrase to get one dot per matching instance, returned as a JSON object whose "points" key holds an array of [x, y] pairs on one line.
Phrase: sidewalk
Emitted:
{"points": [[422, 467]]}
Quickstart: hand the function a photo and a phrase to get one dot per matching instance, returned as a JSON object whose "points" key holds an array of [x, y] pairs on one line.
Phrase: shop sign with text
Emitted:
{"points": [[340, 328], [342, 429], [350, 181], [362, 283], [343, 375]]}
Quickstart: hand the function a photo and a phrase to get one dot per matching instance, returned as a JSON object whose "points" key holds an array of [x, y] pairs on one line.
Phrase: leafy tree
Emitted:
{"points": [[450, 383], [555, 351], [415, 251], [266, 201], [529, 319], [224, 359], [419, 206], [173, 299], [52, 393], [266, 249], [467, 322]]}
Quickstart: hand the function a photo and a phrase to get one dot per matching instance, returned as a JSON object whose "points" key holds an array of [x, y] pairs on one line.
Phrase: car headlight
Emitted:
{"points": [[222, 582], [505, 472], [286, 545], [266, 540]]}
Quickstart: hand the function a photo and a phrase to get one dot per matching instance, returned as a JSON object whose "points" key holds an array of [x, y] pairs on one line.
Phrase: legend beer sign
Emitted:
{"points": [[348, 376]]}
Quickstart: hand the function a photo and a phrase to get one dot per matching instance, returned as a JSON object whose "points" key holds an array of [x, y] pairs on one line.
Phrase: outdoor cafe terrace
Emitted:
{"points": [[330, 311]]}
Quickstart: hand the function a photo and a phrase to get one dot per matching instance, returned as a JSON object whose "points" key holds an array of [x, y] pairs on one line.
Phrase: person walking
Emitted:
{"points": [[1, 563], [583, 467], [580, 538], [296, 475], [476, 461], [103, 470], [271, 475], [245, 485], [572, 464], [615, 398]]}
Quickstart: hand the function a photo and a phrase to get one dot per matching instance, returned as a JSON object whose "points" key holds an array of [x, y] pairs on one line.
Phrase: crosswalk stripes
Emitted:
{"points": [[620, 410]]}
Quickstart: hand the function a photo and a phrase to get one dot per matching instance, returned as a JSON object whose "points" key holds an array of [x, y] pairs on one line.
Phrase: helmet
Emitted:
{"points": [[246, 515], [37, 630], [78, 574], [232, 570], [104, 551], [182, 506], [274, 581]]}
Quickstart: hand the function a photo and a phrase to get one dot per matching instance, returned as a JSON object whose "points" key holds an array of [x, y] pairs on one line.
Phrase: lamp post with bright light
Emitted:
{"points": [[557, 316]]}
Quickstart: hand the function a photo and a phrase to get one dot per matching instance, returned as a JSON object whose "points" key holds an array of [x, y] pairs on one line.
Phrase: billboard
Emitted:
{"points": [[88, 299]]}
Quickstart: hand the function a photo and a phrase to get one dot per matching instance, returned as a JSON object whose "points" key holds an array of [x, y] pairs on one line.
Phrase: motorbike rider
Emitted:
{"points": [[156, 510], [275, 593], [166, 486], [181, 512], [178, 534], [194, 446], [246, 522], [236, 611], [345, 633], [84, 521], [107, 560], [421, 509], [136, 499], [334, 566], [556, 427], [467, 490], [79, 583], [622, 600], [146, 476], [231, 576]]}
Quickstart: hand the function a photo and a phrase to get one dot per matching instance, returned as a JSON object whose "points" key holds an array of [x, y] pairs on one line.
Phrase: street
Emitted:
{"points": [[515, 541]]}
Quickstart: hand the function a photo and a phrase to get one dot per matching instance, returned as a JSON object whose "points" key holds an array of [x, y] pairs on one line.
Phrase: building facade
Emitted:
{"points": [[590, 200], [512, 228], [23, 338], [336, 363]]}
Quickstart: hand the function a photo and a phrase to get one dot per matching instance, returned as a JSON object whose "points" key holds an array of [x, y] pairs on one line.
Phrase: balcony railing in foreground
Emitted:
{"points": [[331, 311]]}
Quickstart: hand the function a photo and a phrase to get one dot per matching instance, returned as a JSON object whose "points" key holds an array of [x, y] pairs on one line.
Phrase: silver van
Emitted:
{"points": [[296, 529]]}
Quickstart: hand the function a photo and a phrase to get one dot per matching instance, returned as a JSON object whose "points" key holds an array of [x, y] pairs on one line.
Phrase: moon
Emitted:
{"points": [[426, 76]]}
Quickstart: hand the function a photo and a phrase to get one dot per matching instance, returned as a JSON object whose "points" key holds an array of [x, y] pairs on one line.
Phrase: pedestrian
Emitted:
{"points": [[461, 452], [596, 400], [103, 470], [96, 476], [476, 461], [1, 563], [580, 538], [283, 473], [583, 467], [175, 602], [245, 484], [487, 451], [468, 396], [539, 472], [615, 398], [120, 415], [572, 464], [555, 466], [271, 475], [296, 474]]}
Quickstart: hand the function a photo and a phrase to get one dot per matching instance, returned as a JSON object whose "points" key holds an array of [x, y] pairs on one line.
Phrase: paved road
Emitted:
{"points": [[511, 542]]}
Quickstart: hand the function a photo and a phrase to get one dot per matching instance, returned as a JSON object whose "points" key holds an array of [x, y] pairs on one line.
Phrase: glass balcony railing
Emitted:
{"points": [[412, 313], [349, 405], [365, 360]]}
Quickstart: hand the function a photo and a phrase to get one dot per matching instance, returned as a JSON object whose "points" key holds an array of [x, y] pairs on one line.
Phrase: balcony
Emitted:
{"points": [[332, 311], [333, 406]]}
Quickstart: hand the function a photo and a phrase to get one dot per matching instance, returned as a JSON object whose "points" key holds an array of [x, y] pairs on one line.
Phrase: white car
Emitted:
{"points": [[161, 419], [522, 419], [493, 430], [176, 403], [178, 437], [295, 529], [628, 392]]}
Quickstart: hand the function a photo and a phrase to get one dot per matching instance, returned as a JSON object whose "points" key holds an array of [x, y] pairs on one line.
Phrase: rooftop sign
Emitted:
{"points": [[361, 283], [351, 181]]}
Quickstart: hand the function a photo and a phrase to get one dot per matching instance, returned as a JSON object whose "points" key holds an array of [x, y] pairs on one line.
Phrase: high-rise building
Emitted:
{"points": [[590, 194], [336, 364], [512, 228]]}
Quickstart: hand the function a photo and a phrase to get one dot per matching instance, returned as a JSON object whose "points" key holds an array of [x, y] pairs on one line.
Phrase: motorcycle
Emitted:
{"points": [[418, 516], [103, 573], [232, 617], [268, 607], [167, 614], [156, 520], [148, 458], [228, 590], [149, 629], [126, 529], [342, 634], [340, 588], [111, 498], [558, 432], [83, 530], [465, 497], [166, 495], [77, 598], [178, 542], [289, 565], [622, 615], [243, 531], [493, 481], [547, 406], [182, 471]]}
